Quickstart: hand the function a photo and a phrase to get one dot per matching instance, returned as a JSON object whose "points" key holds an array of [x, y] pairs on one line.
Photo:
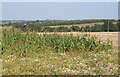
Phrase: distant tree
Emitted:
{"points": [[87, 29], [61, 29], [74, 28], [118, 26], [106, 24], [37, 21]]}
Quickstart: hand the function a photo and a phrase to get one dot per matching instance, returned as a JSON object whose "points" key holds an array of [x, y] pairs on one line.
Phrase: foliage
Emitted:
{"points": [[33, 54], [74, 28], [17, 42], [45, 26]]}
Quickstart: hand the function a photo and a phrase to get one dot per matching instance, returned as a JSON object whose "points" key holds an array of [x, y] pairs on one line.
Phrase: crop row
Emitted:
{"points": [[16, 42]]}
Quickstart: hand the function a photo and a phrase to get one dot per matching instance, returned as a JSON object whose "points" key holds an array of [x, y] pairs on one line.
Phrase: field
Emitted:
{"points": [[51, 63], [104, 36], [79, 25], [56, 54]]}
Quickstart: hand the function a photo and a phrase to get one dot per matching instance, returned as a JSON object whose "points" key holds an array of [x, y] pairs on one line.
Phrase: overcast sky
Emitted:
{"points": [[59, 10]]}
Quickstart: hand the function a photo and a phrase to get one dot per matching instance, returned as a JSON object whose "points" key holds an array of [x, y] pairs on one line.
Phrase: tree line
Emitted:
{"points": [[44, 26]]}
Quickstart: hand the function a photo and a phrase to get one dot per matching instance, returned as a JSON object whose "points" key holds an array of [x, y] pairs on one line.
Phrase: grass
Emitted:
{"points": [[33, 54], [52, 63]]}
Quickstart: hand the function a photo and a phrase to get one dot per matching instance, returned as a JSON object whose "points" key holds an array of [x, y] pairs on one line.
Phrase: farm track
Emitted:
{"points": [[104, 36]]}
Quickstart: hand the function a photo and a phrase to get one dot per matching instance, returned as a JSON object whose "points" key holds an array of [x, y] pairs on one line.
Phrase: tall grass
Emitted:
{"points": [[17, 42]]}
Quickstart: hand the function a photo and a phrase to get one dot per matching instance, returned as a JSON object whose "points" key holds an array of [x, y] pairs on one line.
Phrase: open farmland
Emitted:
{"points": [[59, 38], [53, 54], [79, 25], [58, 53]]}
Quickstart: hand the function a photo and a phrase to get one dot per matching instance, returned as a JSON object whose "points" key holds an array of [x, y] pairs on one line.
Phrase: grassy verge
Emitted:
{"points": [[71, 63]]}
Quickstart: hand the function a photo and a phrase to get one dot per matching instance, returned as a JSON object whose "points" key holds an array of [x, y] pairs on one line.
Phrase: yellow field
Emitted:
{"points": [[79, 25]]}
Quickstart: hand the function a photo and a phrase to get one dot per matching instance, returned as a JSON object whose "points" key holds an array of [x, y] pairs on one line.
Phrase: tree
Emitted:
{"points": [[74, 28]]}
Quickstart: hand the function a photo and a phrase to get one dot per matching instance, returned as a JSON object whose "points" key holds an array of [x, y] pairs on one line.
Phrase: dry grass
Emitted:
{"points": [[51, 63], [80, 25]]}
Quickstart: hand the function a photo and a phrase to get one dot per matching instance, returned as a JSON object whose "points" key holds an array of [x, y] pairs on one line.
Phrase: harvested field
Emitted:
{"points": [[80, 25]]}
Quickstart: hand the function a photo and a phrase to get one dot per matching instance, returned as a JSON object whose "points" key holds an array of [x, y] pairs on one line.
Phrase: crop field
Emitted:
{"points": [[104, 36], [79, 25], [55, 54], [59, 38]]}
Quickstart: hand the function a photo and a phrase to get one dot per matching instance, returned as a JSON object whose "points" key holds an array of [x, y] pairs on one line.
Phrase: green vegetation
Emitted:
{"points": [[45, 26], [33, 54], [24, 52], [16, 42], [71, 63]]}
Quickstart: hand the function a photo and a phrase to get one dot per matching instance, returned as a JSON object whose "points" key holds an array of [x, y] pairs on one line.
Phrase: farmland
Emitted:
{"points": [[104, 36], [61, 38], [58, 53], [67, 26], [79, 25], [66, 55]]}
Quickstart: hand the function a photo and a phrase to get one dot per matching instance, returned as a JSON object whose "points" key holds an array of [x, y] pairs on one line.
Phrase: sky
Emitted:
{"points": [[60, 0], [119, 10], [59, 10]]}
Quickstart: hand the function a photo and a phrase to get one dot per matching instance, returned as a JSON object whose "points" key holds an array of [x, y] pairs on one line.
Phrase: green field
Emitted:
{"points": [[33, 54]]}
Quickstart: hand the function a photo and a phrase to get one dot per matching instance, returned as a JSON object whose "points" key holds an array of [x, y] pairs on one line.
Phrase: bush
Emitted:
{"points": [[74, 28]]}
